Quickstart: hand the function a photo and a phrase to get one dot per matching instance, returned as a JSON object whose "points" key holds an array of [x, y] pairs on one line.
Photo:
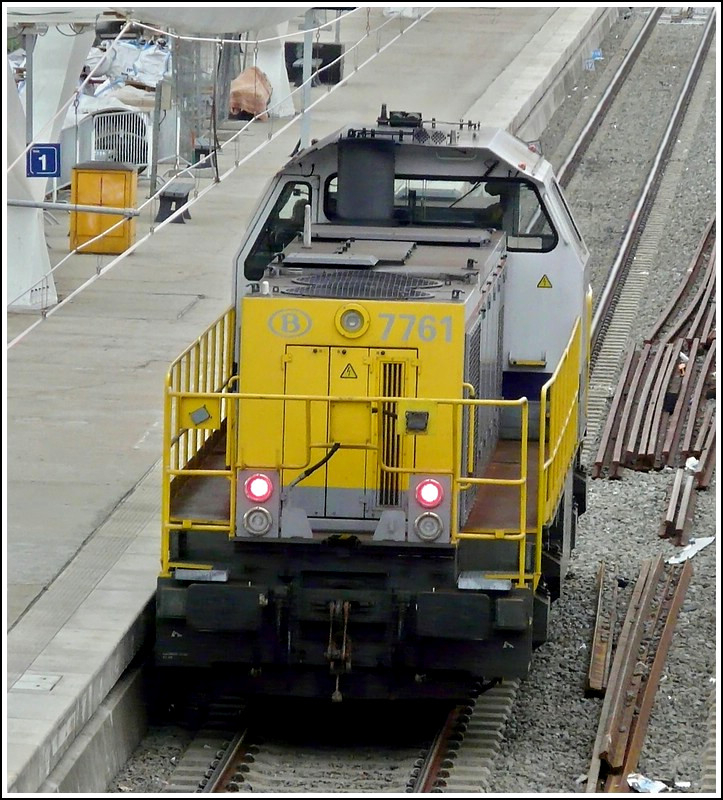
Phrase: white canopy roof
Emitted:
{"points": [[212, 19], [201, 20]]}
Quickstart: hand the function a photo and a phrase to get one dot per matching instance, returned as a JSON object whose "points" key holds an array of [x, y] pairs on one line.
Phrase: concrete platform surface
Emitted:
{"points": [[84, 387]]}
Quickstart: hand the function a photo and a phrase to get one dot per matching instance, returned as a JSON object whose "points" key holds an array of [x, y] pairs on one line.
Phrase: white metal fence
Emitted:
{"points": [[122, 136]]}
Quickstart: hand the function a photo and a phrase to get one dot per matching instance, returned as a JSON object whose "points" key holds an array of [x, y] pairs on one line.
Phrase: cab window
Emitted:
{"points": [[510, 205], [285, 222]]}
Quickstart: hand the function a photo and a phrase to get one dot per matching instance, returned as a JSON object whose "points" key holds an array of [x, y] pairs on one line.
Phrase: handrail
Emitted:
{"points": [[206, 364], [458, 480], [204, 371], [558, 440]]}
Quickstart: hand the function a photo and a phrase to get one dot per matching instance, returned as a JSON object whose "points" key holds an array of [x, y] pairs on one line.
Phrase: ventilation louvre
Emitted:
{"points": [[391, 445]]}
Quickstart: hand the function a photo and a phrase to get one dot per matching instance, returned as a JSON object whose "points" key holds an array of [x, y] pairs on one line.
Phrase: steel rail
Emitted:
{"points": [[652, 370], [621, 708], [655, 410], [637, 668], [637, 221], [428, 771], [675, 423], [611, 429], [697, 305], [707, 300], [602, 639], [699, 444], [703, 379], [631, 400], [684, 287], [665, 617], [226, 767], [707, 459], [667, 528], [615, 680], [645, 458]]}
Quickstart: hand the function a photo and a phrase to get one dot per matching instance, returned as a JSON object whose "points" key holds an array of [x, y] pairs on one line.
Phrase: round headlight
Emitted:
{"points": [[257, 521], [428, 526], [352, 321]]}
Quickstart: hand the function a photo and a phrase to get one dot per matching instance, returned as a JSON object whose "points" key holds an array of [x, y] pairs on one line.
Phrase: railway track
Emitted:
{"points": [[258, 758], [227, 756], [661, 415], [211, 758], [461, 759]]}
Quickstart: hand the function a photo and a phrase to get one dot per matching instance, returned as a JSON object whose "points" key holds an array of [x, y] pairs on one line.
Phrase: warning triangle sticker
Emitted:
{"points": [[348, 372], [544, 283]]}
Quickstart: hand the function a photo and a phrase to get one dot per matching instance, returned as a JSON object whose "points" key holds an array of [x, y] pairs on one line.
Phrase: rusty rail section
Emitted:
{"points": [[428, 768], [696, 264], [662, 413], [635, 674], [602, 637]]}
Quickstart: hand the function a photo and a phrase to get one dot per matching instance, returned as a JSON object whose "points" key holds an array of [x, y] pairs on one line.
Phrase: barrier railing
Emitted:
{"points": [[206, 366], [460, 444], [200, 403], [559, 409]]}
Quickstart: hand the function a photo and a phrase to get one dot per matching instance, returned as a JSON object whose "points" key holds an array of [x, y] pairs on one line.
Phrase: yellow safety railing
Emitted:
{"points": [[559, 409], [205, 367], [588, 348], [462, 483], [459, 481], [204, 372]]}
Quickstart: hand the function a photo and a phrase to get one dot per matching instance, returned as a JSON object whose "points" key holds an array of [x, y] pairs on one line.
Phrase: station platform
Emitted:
{"points": [[85, 387]]}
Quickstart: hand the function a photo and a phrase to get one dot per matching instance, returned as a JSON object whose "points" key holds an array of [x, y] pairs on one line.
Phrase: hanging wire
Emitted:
{"points": [[71, 35], [214, 111]]}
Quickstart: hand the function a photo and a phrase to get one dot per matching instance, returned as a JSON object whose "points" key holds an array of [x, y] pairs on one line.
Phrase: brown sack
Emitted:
{"points": [[250, 92]]}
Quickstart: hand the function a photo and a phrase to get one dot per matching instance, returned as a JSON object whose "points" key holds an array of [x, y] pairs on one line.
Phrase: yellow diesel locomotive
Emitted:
{"points": [[371, 460]]}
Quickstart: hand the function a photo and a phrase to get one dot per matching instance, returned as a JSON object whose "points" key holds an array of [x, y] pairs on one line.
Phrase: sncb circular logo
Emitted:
{"points": [[290, 322]]}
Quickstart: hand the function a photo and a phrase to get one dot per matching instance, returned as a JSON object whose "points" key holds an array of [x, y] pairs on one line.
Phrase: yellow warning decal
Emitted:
{"points": [[544, 283], [348, 372]]}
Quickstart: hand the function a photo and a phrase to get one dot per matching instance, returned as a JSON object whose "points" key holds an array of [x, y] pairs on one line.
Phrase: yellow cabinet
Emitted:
{"points": [[103, 183]]}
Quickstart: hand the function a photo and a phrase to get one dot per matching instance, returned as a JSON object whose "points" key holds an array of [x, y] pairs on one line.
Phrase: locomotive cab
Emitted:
{"points": [[370, 475]]}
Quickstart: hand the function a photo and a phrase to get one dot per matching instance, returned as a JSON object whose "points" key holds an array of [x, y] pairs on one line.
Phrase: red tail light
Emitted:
{"points": [[258, 488], [429, 493]]}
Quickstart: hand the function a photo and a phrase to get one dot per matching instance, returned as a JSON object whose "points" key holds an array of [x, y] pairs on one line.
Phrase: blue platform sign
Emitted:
{"points": [[43, 161]]}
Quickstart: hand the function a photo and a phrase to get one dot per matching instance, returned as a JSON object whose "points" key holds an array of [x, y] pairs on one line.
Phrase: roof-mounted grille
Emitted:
{"points": [[352, 285]]}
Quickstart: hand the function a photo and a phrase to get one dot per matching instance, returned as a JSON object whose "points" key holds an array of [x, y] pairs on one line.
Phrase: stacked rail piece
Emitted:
{"points": [[662, 414], [632, 681]]}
